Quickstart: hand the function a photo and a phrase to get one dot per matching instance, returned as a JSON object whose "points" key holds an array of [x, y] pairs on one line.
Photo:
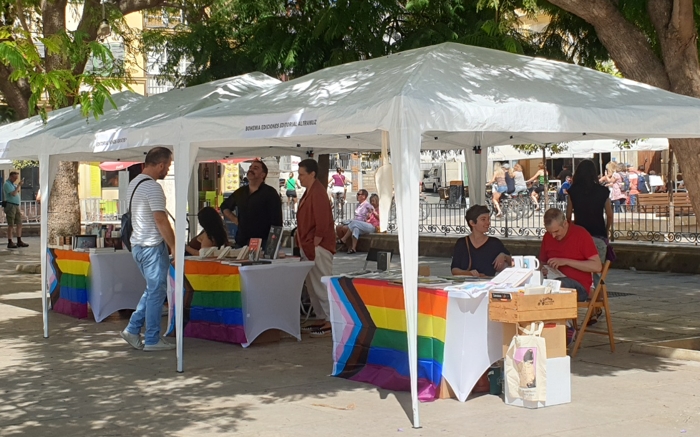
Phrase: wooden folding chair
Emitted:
{"points": [[599, 300]]}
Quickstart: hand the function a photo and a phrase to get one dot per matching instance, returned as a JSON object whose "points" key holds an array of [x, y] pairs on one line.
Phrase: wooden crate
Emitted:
{"points": [[514, 307]]}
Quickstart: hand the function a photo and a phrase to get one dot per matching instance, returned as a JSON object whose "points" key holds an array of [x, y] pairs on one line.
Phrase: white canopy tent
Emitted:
{"points": [[68, 135], [510, 153], [56, 119], [580, 149], [151, 121], [446, 96]]}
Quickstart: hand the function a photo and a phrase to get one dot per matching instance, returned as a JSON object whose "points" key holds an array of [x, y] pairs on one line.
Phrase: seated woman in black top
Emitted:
{"points": [[478, 254], [213, 235]]}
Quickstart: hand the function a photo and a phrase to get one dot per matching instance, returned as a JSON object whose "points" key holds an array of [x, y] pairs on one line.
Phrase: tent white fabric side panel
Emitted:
{"points": [[405, 145], [48, 166], [185, 159]]}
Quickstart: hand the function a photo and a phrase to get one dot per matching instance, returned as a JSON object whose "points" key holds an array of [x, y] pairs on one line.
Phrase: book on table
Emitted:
{"points": [[254, 247], [274, 240]]}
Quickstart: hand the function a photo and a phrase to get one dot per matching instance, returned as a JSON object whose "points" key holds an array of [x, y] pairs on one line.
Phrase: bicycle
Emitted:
{"points": [[338, 205], [423, 209]]}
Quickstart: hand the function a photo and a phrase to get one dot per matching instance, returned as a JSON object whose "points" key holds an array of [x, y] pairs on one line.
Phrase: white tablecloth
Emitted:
{"points": [[116, 283], [472, 342], [271, 296]]}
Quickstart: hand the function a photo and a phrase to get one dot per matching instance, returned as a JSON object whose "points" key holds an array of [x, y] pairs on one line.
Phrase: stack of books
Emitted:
{"points": [[102, 250]]}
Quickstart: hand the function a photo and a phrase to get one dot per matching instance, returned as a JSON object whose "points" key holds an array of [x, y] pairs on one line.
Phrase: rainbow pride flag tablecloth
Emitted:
{"points": [[68, 281], [369, 333], [213, 307], [456, 340]]}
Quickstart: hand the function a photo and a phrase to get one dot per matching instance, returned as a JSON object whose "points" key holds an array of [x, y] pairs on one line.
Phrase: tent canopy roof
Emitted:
{"points": [[140, 122], [462, 95]]}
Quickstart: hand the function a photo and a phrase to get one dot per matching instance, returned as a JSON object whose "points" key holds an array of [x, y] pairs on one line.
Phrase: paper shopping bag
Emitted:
{"points": [[526, 364]]}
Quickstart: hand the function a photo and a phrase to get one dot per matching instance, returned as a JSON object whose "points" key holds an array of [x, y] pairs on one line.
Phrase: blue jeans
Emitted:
{"points": [[360, 228], [618, 204], [153, 261], [581, 293]]}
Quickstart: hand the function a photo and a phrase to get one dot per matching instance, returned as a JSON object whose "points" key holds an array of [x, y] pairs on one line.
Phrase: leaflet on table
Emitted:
{"points": [[469, 289], [512, 277], [286, 259], [553, 272]]}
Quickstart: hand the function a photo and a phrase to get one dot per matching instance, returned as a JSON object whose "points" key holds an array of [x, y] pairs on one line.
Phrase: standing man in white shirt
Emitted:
{"points": [[151, 237], [12, 197]]}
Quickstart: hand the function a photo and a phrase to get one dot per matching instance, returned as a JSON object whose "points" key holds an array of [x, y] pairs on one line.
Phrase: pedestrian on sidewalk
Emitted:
{"points": [[12, 199], [151, 237]]}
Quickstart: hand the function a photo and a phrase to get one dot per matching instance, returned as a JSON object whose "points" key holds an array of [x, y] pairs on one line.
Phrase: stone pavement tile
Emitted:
{"points": [[624, 428], [691, 319], [637, 315]]}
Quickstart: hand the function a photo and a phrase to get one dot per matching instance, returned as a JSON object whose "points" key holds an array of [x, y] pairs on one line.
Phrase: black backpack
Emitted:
{"points": [[127, 228]]}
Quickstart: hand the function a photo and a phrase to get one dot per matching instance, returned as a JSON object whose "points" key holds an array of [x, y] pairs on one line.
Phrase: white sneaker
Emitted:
{"points": [[133, 339], [162, 345]]}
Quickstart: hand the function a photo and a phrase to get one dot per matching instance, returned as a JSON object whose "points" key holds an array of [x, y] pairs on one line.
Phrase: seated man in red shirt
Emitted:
{"points": [[570, 249]]}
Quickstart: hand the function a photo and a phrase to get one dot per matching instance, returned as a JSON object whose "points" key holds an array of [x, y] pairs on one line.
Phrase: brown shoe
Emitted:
{"points": [[11, 245], [22, 244]]}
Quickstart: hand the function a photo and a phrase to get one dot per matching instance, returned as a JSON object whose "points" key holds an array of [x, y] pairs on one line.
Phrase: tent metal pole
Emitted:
{"points": [[44, 168]]}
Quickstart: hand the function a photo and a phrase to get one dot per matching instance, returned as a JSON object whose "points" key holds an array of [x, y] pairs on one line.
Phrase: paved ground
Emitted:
{"points": [[84, 380]]}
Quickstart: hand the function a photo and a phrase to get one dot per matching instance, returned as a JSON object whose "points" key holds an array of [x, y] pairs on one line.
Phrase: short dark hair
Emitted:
{"points": [[473, 213], [363, 192], [553, 215], [12, 173], [310, 165], [158, 155], [262, 164]]}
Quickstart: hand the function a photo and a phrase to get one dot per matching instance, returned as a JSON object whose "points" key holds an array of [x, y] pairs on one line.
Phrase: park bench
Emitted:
{"points": [[659, 204]]}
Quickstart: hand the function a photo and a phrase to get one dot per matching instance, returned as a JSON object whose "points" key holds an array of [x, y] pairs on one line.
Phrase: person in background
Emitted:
{"points": [[540, 187], [338, 183], [633, 192], [213, 235], [510, 178], [259, 207], [498, 187], [151, 237], [478, 254], [564, 190], [520, 184], [373, 218], [11, 196], [590, 205], [613, 180], [564, 173], [361, 225], [291, 186], [316, 239], [642, 181]]}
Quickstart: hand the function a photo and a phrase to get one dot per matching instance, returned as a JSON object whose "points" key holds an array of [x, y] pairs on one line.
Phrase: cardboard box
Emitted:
{"points": [[558, 385], [515, 307], [554, 334]]}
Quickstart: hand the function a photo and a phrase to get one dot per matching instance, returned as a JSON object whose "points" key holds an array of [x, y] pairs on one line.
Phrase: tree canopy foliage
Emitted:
{"points": [[290, 38]]}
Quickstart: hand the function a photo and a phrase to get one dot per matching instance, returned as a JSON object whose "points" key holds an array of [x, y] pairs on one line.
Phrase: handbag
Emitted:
{"points": [[127, 227], [469, 252], [526, 365]]}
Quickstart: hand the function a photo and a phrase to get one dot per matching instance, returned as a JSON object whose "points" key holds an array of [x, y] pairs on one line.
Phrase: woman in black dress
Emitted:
{"points": [[590, 205], [478, 254]]}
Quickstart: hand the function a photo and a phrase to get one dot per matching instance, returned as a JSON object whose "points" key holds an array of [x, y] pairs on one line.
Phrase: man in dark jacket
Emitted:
{"points": [[259, 206]]}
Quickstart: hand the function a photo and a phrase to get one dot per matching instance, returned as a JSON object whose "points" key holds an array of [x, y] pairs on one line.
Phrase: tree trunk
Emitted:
{"points": [[64, 204], [678, 70]]}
